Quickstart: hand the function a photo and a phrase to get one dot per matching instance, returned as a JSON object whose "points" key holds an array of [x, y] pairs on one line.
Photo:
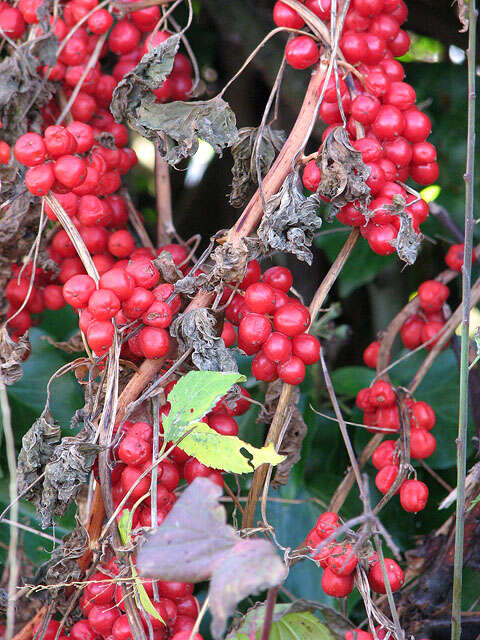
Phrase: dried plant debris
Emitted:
{"points": [[21, 83], [197, 330], [244, 170], [462, 10], [66, 473], [296, 430], [291, 220], [167, 267], [38, 445], [225, 264], [174, 127], [72, 345], [408, 240], [344, 174], [12, 355], [195, 544]]}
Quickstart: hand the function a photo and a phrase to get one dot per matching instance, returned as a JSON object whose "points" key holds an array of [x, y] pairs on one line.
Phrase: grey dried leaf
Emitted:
{"points": [[244, 169], [462, 11], [174, 127], [12, 355], [195, 544], [290, 222], [344, 173], [167, 267], [71, 463], [38, 445], [294, 435], [408, 241], [197, 330], [72, 345]]}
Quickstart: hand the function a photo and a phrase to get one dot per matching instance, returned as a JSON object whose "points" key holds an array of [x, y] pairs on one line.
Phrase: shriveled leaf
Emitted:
{"points": [[70, 466], [244, 168], [174, 127], [228, 453], [72, 345], [197, 330], [287, 618], [408, 241], [344, 174], [195, 544], [294, 435], [193, 537], [38, 445], [167, 267], [12, 354], [252, 566], [462, 9], [291, 220]]}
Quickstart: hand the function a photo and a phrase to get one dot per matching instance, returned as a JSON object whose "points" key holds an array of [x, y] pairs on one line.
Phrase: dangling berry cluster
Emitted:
{"points": [[271, 324], [339, 561], [382, 120], [422, 327]]}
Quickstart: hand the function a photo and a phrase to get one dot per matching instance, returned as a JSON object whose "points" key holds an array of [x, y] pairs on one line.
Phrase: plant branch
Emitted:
{"points": [[165, 226], [269, 609], [465, 336]]}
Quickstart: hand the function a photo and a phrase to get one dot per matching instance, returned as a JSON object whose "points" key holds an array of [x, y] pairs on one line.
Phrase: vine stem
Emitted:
{"points": [[281, 411], [269, 609], [165, 226], [465, 337]]}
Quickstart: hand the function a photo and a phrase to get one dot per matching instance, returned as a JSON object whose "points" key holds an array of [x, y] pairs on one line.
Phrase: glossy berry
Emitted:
{"points": [[292, 371], [260, 297], [326, 524], [395, 576], [413, 495], [254, 329], [386, 477], [77, 290], [291, 319], [384, 454], [422, 416], [422, 444], [277, 347], [454, 257], [370, 354], [103, 304], [336, 586], [278, 278], [285, 16], [154, 342], [381, 394], [301, 52], [263, 368], [342, 560]]}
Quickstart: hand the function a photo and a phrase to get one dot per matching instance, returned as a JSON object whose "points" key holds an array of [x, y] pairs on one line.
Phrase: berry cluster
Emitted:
{"points": [[422, 327], [271, 324], [359, 634], [339, 561], [102, 604], [383, 122]]}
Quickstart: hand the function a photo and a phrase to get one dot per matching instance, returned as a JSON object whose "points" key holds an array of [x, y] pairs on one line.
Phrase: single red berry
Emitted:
{"points": [[277, 347], [124, 37], [260, 297], [228, 334], [100, 335], [154, 342], [100, 588], [81, 630], [336, 586], [382, 394], [306, 347], [425, 174], [278, 278], [253, 274], [103, 304], [118, 281], [411, 332], [101, 619], [423, 416], [263, 368], [12, 22], [291, 319], [422, 444], [292, 371], [70, 170], [326, 524], [133, 451], [223, 424], [370, 355], [386, 477], [384, 454], [301, 52], [395, 576], [342, 560], [100, 21], [159, 314], [254, 329], [429, 330], [358, 634], [30, 149], [138, 303], [78, 289], [413, 495], [388, 418], [195, 469], [311, 176], [39, 179]]}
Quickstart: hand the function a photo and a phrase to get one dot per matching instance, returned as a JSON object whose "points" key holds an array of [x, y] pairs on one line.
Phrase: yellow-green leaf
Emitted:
{"points": [[228, 453], [143, 596]]}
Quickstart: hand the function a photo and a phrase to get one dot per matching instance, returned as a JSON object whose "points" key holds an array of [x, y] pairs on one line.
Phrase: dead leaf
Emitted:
{"points": [[167, 267], [72, 345], [195, 544], [197, 330], [344, 173], [12, 355], [462, 10], [408, 240], [290, 222], [244, 168]]}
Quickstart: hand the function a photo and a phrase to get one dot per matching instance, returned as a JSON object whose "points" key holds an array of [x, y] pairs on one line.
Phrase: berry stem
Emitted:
{"points": [[269, 609], [165, 226], [465, 337], [135, 220]]}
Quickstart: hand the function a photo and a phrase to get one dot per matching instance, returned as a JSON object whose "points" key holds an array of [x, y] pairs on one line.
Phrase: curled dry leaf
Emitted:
{"points": [[462, 9], [408, 240], [344, 174], [71, 463], [12, 355], [195, 544], [38, 445], [167, 267], [174, 127], [290, 222], [244, 168], [72, 345], [197, 330], [296, 430]]}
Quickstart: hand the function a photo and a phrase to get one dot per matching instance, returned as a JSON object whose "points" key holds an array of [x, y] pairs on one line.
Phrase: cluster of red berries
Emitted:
{"points": [[378, 403], [271, 324], [339, 561], [102, 604], [394, 136], [422, 327], [359, 634]]}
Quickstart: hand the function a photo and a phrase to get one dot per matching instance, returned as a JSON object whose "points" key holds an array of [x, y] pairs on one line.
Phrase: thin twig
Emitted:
{"points": [[465, 337], [165, 226], [269, 609]]}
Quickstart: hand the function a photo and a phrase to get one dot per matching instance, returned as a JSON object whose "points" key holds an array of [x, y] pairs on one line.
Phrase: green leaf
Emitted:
{"points": [[194, 395], [125, 526], [348, 381], [228, 453], [285, 625]]}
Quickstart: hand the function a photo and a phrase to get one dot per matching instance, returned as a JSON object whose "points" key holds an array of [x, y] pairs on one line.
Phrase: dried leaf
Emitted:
{"points": [[167, 267], [174, 127], [462, 11], [195, 544], [290, 222], [344, 173], [198, 330], [294, 435], [408, 240], [12, 355], [38, 445], [244, 169], [72, 345], [106, 139], [71, 463]]}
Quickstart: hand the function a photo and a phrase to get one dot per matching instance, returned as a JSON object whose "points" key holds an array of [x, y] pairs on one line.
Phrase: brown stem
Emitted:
{"points": [[165, 226], [26, 632], [135, 220], [269, 609], [284, 400]]}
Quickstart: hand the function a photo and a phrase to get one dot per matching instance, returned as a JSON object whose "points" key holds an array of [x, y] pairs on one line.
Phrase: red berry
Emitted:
{"points": [[12, 23], [223, 424], [277, 348], [306, 347], [278, 278], [101, 619], [423, 416], [411, 332], [100, 335], [263, 368], [291, 319], [195, 469], [386, 477], [342, 560], [154, 342], [292, 371], [432, 295], [78, 289], [382, 394], [311, 176], [228, 334], [100, 21], [395, 576], [70, 170], [413, 495], [121, 243], [124, 37], [422, 444], [81, 630], [100, 588], [301, 52], [370, 355], [384, 454], [118, 281], [260, 297], [336, 586], [254, 329], [39, 179], [326, 524], [133, 450], [159, 314], [30, 149]]}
